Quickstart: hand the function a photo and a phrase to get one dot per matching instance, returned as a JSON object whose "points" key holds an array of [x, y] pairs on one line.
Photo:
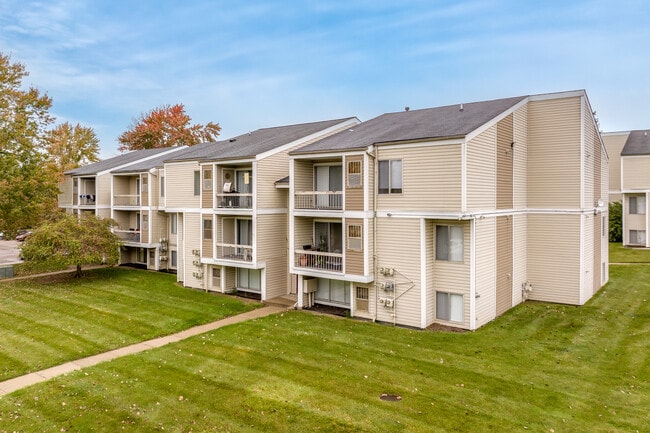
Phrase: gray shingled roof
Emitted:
{"points": [[253, 143], [637, 143], [430, 123], [150, 163], [116, 161]]}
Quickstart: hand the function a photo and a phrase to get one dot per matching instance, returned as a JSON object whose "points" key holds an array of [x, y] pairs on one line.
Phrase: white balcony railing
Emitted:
{"points": [[128, 235], [318, 200], [242, 253], [234, 200], [87, 199], [319, 260], [126, 200]]}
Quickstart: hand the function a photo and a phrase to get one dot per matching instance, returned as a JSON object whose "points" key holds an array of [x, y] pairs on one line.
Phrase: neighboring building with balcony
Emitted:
{"points": [[630, 182], [232, 209], [89, 188], [453, 215]]}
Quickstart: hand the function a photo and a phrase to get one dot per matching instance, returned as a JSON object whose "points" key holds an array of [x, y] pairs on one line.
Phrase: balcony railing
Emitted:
{"points": [[128, 235], [126, 200], [319, 260], [234, 200], [87, 199], [242, 253], [319, 200]]}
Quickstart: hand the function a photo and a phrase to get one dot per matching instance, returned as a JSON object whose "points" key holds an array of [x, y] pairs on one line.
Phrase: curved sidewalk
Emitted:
{"points": [[11, 385]]}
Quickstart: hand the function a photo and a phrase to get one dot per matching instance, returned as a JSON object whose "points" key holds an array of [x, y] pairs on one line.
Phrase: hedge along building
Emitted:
{"points": [[454, 214]]}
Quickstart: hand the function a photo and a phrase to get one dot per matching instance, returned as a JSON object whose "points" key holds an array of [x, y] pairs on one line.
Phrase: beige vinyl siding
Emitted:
{"points": [[268, 171], [65, 192], [604, 179], [102, 190], [481, 171], [636, 172], [587, 288], [504, 264], [144, 229], [158, 221], [192, 225], [231, 278], [354, 260], [180, 185], [554, 153], [398, 247], [425, 188], [207, 244], [103, 213], [505, 147], [272, 250], [353, 196], [554, 257], [519, 253], [430, 277], [207, 194], [181, 251], [485, 270], [520, 157], [454, 277], [154, 190], [303, 172], [144, 189], [634, 221], [597, 273], [303, 229], [591, 161], [614, 144]]}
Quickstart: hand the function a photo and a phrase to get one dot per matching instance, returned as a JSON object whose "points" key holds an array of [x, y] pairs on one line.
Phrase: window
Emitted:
{"points": [[637, 205], [355, 240], [174, 224], [197, 183], [354, 178], [637, 237], [174, 258], [162, 186], [216, 278], [145, 222], [145, 183], [249, 280], [449, 243], [207, 228], [449, 306], [207, 179], [361, 302], [328, 236], [390, 176]]}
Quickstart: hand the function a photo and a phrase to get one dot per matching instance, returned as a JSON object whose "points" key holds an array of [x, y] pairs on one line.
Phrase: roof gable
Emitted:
{"points": [[637, 143]]}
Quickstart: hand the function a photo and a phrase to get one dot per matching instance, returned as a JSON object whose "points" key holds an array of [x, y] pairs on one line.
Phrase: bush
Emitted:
{"points": [[616, 222]]}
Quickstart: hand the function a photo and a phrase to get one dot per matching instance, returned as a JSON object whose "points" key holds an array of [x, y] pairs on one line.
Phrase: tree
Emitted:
{"points": [[70, 147], [166, 126], [27, 191], [616, 222], [69, 240]]}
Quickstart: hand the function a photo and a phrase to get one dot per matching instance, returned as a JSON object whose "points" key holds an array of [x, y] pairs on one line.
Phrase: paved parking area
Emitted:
{"points": [[9, 252]]}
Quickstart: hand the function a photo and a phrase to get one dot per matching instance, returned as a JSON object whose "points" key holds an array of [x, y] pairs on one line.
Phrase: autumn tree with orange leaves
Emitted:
{"points": [[166, 126]]}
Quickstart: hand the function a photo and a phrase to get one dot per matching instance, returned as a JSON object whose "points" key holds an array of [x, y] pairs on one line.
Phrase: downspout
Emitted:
{"points": [[374, 229]]}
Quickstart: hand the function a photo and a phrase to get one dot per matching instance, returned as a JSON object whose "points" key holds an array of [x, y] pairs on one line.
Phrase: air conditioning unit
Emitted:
{"points": [[196, 262], [196, 252], [361, 304], [310, 286], [389, 286], [389, 303], [163, 258]]}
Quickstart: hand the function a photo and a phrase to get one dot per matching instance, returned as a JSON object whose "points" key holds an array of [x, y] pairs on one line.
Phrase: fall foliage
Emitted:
{"points": [[70, 147], [166, 126]]}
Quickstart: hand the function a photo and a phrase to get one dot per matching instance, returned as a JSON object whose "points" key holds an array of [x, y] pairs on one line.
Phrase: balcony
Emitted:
{"points": [[319, 200], [128, 235], [87, 199], [126, 200], [233, 200], [321, 261], [240, 253]]}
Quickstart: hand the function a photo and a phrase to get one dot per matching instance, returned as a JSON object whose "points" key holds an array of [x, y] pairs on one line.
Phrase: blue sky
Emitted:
{"points": [[253, 64]]}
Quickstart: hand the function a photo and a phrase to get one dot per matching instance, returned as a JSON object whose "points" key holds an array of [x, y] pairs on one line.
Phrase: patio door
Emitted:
{"points": [[328, 178], [245, 186], [328, 236]]}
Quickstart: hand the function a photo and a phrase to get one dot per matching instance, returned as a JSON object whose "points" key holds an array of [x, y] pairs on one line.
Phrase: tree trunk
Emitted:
{"points": [[78, 273]]}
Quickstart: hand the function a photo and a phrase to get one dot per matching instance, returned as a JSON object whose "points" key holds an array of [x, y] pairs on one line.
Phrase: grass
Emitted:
{"points": [[48, 322], [540, 367], [620, 254]]}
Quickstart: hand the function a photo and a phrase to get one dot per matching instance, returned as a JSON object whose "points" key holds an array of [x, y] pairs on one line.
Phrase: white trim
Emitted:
{"points": [[185, 210], [137, 161], [492, 122], [366, 246], [583, 155], [472, 275], [583, 269], [556, 95], [423, 273], [463, 177], [291, 229], [272, 211]]}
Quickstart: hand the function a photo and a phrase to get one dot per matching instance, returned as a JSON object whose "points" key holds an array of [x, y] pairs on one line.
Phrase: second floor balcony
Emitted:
{"points": [[241, 253], [319, 260], [126, 200], [128, 235], [328, 200], [234, 200]]}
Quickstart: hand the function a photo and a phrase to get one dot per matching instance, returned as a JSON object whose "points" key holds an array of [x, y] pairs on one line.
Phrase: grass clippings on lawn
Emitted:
{"points": [[49, 321], [540, 367]]}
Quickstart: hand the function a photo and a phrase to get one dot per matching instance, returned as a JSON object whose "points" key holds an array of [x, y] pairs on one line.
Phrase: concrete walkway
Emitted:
{"points": [[20, 382]]}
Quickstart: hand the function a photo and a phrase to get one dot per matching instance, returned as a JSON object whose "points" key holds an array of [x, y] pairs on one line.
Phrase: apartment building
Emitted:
{"points": [[629, 183], [229, 207], [453, 215]]}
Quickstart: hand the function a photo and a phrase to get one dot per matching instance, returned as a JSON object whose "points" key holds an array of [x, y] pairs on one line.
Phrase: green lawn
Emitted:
{"points": [[44, 324], [619, 254], [540, 368]]}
